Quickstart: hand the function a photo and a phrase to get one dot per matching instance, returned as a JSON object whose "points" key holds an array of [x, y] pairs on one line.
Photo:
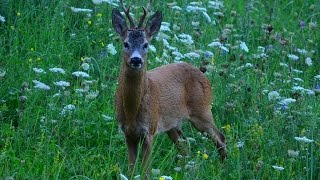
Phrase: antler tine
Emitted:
{"points": [[142, 17], [126, 11], [145, 12]]}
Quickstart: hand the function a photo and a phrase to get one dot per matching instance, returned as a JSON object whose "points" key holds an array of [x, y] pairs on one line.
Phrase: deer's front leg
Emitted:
{"points": [[132, 152], [146, 154]]}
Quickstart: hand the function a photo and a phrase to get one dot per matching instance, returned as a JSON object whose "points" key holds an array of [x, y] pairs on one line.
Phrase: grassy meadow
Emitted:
{"points": [[58, 74]]}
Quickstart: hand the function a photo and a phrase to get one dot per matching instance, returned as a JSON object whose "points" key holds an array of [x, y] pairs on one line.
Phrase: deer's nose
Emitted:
{"points": [[136, 62]]}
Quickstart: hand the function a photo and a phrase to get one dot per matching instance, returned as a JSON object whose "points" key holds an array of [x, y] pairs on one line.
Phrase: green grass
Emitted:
{"points": [[37, 142]]}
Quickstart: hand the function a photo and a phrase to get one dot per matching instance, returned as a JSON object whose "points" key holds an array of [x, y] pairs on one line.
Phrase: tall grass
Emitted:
{"points": [[264, 100]]}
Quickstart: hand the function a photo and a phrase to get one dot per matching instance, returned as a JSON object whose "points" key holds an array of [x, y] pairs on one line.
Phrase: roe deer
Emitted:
{"points": [[151, 102]]}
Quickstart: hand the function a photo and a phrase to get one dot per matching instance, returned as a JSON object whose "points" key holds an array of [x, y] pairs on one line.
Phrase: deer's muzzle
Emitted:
{"points": [[136, 62]]}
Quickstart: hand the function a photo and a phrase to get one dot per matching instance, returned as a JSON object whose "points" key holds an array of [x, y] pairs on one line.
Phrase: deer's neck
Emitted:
{"points": [[133, 86]]}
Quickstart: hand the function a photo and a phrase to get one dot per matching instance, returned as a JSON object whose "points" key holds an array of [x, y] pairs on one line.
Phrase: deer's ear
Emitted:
{"points": [[119, 22], [153, 24]]}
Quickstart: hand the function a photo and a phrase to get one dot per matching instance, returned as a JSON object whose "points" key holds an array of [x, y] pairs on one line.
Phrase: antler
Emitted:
{"points": [[126, 11], [145, 12]]}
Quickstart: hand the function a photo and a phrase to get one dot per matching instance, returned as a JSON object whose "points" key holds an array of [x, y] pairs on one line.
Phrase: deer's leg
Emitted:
{"points": [[175, 134], [132, 152], [146, 154], [204, 123]]}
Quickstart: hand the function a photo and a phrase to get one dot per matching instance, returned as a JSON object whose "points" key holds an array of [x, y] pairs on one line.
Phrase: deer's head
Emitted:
{"points": [[135, 38]]}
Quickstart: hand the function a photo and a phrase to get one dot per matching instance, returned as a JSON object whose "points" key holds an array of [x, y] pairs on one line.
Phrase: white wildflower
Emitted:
{"points": [[215, 4], [167, 45], [164, 55], [244, 47], [192, 55], [165, 23], [106, 117], [194, 3], [56, 95], [215, 43], [81, 90], [191, 140], [190, 165], [85, 66], [273, 95], [261, 49], [90, 81], [80, 74], [226, 31], [308, 61], [57, 70], [195, 23], [317, 77], [152, 48], [195, 9], [178, 8], [224, 48], [292, 153], [40, 85], [123, 177], [219, 14], [185, 38], [2, 19], [247, 65], [166, 177], [284, 64], [112, 2], [298, 79], [178, 55], [208, 18], [309, 92], [302, 51], [260, 56], [175, 27], [68, 109], [287, 101], [265, 91], [218, 44], [303, 139], [92, 95], [208, 54], [137, 177], [297, 71], [38, 70], [2, 73], [240, 144], [76, 10], [62, 84], [111, 49], [97, 1], [165, 27], [293, 57], [297, 89], [178, 169], [278, 168]]}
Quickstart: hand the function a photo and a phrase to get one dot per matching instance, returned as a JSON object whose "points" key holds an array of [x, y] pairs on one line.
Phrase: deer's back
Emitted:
{"points": [[184, 92]]}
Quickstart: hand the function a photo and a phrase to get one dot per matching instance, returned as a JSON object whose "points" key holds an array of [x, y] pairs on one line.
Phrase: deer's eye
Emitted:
{"points": [[145, 46], [126, 45]]}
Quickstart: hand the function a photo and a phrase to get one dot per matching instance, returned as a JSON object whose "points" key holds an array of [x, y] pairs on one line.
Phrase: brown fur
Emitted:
{"points": [[158, 100], [151, 102]]}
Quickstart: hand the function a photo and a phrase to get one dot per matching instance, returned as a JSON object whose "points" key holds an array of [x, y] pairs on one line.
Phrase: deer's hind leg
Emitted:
{"points": [[176, 134], [204, 123]]}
